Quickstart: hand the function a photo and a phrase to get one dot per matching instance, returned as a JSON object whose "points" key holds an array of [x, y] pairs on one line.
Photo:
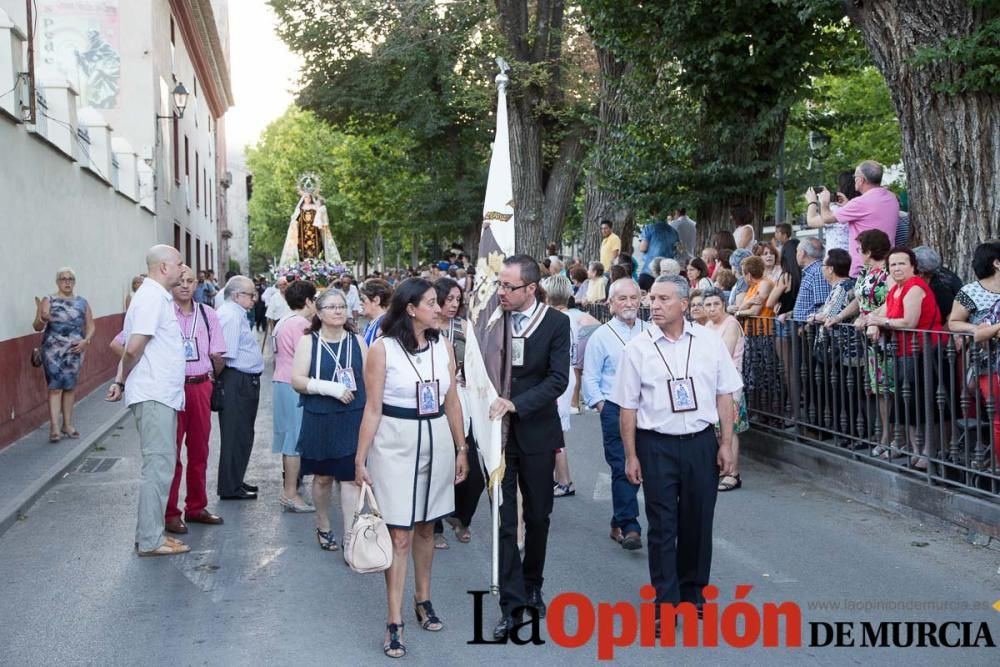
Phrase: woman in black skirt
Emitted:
{"points": [[327, 371]]}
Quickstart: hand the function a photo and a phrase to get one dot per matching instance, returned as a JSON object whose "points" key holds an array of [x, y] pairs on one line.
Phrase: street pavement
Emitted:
{"points": [[259, 591]]}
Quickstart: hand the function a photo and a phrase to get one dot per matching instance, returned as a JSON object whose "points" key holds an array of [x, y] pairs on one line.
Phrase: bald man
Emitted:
{"points": [[151, 379]]}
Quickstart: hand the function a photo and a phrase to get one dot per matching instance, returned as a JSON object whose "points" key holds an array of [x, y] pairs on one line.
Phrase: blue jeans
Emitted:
{"points": [[623, 492]]}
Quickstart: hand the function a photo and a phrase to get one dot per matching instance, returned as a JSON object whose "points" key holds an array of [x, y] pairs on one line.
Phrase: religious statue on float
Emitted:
{"points": [[309, 235]]}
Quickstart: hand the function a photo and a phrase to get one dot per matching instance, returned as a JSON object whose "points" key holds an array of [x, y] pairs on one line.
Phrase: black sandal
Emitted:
{"points": [[430, 618], [326, 541], [729, 486], [394, 644]]}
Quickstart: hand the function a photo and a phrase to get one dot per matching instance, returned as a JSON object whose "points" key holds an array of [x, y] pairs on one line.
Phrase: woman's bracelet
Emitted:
{"points": [[461, 449]]}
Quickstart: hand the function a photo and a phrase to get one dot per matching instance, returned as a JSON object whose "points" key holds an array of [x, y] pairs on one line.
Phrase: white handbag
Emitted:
{"points": [[368, 547]]}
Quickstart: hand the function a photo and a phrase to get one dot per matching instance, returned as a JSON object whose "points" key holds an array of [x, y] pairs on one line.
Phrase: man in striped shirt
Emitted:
{"points": [[241, 387]]}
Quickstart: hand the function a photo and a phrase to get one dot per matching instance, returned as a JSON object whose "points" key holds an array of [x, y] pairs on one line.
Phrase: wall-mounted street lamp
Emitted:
{"points": [[180, 95]]}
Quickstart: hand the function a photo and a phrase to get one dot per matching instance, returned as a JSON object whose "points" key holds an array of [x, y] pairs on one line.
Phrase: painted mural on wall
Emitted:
{"points": [[80, 40]]}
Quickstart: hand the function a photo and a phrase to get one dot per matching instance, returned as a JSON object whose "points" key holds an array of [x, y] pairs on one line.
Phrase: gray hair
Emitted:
{"points": [[713, 292], [618, 284], [234, 285], [558, 290], [654, 265], [63, 270], [736, 260], [812, 247], [872, 172], [669, 267], [928, 259], [682, 285], [329, 295]]}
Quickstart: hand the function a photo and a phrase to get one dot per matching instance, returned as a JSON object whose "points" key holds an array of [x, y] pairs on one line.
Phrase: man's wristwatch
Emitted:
{"points": [[120, 384]]}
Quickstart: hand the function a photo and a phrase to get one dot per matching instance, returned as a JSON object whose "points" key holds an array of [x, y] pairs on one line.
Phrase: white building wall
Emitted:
{"points": [[53, 213], [238, 218]]}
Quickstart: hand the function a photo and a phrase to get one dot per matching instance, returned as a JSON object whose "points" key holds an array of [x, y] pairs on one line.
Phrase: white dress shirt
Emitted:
{"points": [[159, 374], [642, 378]]}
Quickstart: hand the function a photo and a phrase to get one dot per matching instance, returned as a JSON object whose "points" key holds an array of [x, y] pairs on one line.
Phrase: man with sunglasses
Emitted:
{"points": [[241, 389], [539, 358]]}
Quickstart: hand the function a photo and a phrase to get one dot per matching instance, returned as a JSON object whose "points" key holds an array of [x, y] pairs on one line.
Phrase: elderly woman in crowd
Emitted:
{"points": [[739, 290], [67, 327], [300, 297], [597, 284], [136, 283], [328, 371], [910, 304], [411, 448], [375, 295], [732, 334], [870, 289], [696, 306], [578, 275]]}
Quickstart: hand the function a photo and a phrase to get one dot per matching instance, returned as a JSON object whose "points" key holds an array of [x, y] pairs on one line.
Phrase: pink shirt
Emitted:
{"points": [[289, 331], [876, 209], [189, 326]]}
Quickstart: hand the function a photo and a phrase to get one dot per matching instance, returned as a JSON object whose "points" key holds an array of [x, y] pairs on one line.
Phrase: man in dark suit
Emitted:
{"points": [[539, 356]]}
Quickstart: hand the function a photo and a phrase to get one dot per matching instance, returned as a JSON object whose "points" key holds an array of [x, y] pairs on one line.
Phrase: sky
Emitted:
{"points": [[262, 70]]}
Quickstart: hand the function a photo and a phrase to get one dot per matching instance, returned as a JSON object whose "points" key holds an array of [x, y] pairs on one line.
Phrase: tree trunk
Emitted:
{"points": [[600, 203], [540, 199], [764, 154], [951, 143], [561, 186]]}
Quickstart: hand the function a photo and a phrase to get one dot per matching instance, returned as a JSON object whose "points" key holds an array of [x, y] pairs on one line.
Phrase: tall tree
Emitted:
{"points": [[551, 92], [942, 64], [419, 65], [709, 96]]}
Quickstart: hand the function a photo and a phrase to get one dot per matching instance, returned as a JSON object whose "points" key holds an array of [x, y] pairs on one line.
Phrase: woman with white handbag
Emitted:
{"points": [[411, 448], [327, 372]]}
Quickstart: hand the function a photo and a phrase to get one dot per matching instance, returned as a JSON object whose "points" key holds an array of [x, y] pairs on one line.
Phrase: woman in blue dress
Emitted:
{"points": [[67, 327], [328, 373]]}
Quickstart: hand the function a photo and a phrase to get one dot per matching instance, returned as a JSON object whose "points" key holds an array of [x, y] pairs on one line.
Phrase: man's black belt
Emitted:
{"points": [[682, 436]]}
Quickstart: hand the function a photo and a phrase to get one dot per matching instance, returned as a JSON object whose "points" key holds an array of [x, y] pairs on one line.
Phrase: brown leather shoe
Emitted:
{"points": [[204, 516], [616, 535], [632, 541], [175, 526]]}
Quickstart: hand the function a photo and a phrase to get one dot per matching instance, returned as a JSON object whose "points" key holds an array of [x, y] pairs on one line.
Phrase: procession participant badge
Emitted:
{"points": [[680, 390], [345, 376], [517, 351], [682, 396], [428, 397], [191, 349]]}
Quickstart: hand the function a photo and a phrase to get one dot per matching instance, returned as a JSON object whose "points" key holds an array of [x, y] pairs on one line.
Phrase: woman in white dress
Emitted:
{"points": [[411, 448]]}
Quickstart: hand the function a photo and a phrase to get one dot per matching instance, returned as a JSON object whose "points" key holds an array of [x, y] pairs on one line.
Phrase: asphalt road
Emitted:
{"points": [[259, 591]]}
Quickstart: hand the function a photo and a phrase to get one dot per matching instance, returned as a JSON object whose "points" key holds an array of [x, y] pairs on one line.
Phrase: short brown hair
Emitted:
{"points": [[724, 278], [876, 243], [754, 266]]}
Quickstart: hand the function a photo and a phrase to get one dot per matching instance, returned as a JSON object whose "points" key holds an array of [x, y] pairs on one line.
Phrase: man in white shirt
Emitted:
{"points": [[673, 386], [151, 378]]}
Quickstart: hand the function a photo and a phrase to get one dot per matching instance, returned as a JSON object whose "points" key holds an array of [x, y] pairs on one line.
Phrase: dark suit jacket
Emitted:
{"points": [[537, 384]]}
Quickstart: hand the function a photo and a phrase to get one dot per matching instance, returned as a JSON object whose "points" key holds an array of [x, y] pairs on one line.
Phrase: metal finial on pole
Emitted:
{"points": [[502, 79]]}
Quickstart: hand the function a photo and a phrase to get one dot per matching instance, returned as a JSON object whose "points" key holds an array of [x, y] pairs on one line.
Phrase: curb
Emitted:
{"points": [[9, 512]]}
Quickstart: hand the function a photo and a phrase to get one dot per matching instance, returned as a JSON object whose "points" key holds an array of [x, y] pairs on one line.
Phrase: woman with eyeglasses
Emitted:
{"points": [[67, 327], [300, 297], [327, 371]]}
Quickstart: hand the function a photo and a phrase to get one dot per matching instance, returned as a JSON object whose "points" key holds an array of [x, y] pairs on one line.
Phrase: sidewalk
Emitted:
{"points": [[30, 465]]}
